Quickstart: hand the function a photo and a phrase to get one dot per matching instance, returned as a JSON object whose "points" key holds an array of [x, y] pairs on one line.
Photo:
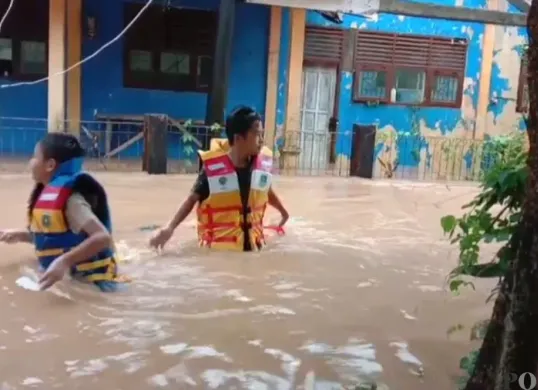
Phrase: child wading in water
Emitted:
{"points": [[68, 217]]}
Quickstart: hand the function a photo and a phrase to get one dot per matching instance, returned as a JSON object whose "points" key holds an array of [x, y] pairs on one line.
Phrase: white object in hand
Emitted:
{"points": [[28, 283]]}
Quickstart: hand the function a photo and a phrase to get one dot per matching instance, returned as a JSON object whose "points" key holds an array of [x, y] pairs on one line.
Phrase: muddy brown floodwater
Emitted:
{"points": [[356, 291]]}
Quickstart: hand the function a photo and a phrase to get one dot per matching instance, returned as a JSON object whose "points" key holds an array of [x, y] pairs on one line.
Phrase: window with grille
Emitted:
{"points": [[169, 48], [426, 71], [24, 40], [522, 100]]}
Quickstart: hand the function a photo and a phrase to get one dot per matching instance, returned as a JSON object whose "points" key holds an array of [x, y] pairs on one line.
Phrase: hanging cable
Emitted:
{"points": [[93, 55], [6, 14]]}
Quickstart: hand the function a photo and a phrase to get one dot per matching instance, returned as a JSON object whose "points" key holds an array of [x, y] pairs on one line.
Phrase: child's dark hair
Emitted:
{"points": [[59, 147], [240, 121]]}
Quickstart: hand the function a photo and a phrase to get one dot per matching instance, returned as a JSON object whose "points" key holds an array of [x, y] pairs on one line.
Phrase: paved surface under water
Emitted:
{"points": [[355, 291]]}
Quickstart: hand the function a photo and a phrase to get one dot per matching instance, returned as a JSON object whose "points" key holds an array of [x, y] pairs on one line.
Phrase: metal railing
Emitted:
{"points": [[119, 145], [395, 156], [417, 157], [109, 144]]}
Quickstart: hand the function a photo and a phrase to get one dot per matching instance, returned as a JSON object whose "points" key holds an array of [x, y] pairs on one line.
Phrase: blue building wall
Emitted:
{"points": [[102, 77], [405, 131], [510, 44], [282, 91], [103, 93]]}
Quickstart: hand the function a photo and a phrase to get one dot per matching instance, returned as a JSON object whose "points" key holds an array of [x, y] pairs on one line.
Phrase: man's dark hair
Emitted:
{"points": [[61, 147], [240, 121]]}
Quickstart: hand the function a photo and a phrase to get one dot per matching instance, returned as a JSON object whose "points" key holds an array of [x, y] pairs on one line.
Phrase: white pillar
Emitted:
{"points": [[57, 57]]}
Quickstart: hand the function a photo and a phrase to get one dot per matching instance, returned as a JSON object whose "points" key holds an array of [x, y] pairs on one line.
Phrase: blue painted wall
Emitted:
{"points": [[407, 119], [103, 92], [414, 126], [507, 56], [102, 77]]}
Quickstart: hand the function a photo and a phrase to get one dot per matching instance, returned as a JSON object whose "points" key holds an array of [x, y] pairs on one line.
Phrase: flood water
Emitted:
{"points": [[355, 292]]}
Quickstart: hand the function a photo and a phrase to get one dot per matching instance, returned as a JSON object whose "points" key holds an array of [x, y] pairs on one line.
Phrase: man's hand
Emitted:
{"points": [[12, 236], [159, 239], [284, 216], [277, 204], [54, 273]]}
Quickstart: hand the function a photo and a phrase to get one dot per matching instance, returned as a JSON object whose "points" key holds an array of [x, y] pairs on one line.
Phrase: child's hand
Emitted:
{"points": [[54, 273], [11, 236], [160, 238]]}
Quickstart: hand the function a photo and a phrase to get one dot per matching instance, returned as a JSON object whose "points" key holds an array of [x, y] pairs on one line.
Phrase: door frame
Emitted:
{"points": [[337, 66], [333, 65]]}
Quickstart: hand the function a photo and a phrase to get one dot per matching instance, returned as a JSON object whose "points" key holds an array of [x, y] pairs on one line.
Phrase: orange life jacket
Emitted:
{"points": [[221, 217]]}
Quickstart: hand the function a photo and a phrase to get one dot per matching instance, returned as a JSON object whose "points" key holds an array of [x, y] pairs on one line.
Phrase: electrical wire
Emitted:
{"points": [[6, 14], [86, 59]]}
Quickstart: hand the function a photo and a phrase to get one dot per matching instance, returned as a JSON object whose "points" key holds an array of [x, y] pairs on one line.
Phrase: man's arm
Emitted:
{"points": [[277, 204], [199, 192]]}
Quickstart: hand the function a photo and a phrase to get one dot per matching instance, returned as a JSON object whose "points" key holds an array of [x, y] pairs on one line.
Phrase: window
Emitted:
{"points": [[522, 100], [409, 86], [169, 49], [23, 40], [33, 57], [409, 70]]}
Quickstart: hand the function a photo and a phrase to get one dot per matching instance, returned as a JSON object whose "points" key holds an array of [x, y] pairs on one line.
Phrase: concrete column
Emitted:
{"points": [[275, 32], [295, 79], [57, 59], [74, 55], [484, 89]]}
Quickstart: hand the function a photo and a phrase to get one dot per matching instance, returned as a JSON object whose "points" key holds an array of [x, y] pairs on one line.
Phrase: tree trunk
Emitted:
{"points": [[487, 362], [510, 347]]}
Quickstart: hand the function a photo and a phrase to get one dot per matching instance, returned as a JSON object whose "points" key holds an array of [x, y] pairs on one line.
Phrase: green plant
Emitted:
{"points": [[492, 216], [467, 365], [187, 138]]}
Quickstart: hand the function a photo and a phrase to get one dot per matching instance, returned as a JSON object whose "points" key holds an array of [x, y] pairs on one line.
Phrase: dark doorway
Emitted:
{"points": [[362, 151]]}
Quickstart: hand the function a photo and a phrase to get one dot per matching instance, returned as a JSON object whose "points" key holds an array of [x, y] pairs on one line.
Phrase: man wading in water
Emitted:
{"points": [[232, 190]]}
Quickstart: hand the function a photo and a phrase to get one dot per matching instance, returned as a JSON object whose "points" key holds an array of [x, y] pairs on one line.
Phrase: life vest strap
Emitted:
{"points": [[208, 236], [50, 252], [213, 210], [92, 265]]}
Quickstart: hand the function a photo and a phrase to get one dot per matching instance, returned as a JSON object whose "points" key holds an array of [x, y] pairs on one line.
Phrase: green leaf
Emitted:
{"points": [[490, 270], [448, 223], [464, 363], [188, 150], [515, 217], [455, 285]]}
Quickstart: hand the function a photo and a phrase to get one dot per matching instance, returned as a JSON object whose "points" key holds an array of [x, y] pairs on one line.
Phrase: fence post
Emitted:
{"points": [[155, 145]]}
